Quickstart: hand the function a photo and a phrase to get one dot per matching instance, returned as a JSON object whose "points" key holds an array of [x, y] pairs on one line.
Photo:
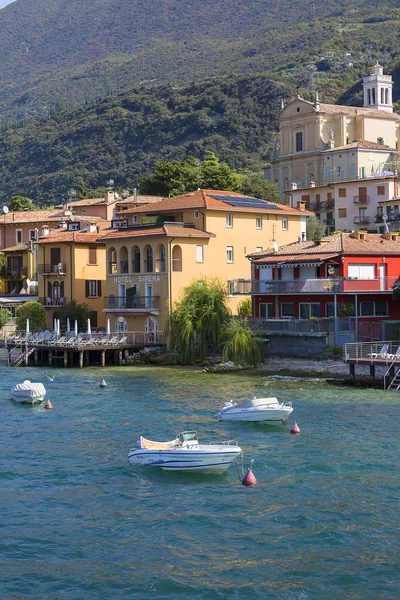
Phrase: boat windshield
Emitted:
{"points": [[188, 436]]}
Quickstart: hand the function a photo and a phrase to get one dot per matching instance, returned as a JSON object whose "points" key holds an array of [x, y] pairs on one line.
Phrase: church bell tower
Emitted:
{"points": [[378, 90]]}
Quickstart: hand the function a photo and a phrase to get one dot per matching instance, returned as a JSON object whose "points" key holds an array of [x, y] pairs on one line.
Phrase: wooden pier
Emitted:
{"points": [[81, 351], [376, 354]]}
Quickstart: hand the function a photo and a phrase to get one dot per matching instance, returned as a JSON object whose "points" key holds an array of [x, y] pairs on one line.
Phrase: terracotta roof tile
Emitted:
{"points": [[18, 248], [211, 199], [363, 144], [156, 230], [334, 245], [78, 237], [355, 110]]}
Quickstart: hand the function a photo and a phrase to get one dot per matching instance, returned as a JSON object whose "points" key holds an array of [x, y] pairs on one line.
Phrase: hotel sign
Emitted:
{"points": [[140, 279]]}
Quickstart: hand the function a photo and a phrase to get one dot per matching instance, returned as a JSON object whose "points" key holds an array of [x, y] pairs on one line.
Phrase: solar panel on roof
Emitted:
{"points": [[242, 201]]}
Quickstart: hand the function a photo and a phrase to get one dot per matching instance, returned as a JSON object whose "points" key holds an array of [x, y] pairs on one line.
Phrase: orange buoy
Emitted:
{"points": [[48, 404], [295, 429], [249, 478]]}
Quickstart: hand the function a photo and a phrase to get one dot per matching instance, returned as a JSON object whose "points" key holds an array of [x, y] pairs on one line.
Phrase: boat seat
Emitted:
{"points": [[157, 445]]}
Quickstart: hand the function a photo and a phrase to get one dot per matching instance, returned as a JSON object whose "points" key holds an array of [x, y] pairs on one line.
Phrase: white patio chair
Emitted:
{"points": [[382, 353], [395, 356]]}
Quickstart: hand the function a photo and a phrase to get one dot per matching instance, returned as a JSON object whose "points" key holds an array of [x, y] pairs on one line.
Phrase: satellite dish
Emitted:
{"points": [[275, 246], [28, 282], [116, 195], [72, 217], [5, 209]]}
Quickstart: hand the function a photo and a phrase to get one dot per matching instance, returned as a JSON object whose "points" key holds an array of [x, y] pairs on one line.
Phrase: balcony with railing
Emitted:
{"points": [[18, 273], [49, 269], [361, 220], [131, 302], [49, 302], [311, 286], [361, 199]]}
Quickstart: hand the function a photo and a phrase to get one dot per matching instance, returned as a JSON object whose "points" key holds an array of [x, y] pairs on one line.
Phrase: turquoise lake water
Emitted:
{"points": [[78, 522]]}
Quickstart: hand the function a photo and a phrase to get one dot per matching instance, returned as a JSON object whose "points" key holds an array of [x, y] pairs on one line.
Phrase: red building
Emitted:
{"points": [[347, 274]]}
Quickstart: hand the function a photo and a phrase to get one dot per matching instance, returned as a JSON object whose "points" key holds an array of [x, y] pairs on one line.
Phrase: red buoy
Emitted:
{"points": [[295, 428], [249, 478], [48, 404]]}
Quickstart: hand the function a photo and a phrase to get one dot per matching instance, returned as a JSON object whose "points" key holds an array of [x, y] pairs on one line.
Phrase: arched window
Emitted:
{"points": [[123, 260], [135, 259], [373, 96], [386, 96], [382, 96], [368, 96], [112, 261], [160, 262], [177, 258], [148, 261], [55, 293], [121, 324], [151, 330]]}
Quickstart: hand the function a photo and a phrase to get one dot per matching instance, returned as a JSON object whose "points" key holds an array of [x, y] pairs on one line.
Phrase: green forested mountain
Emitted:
{"points": [[58, 52], [99, 89], [122, 137]]}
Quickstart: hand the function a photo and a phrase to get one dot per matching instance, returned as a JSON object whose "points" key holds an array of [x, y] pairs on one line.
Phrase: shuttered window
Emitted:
{"points": [[92, 255], [93, 288]]}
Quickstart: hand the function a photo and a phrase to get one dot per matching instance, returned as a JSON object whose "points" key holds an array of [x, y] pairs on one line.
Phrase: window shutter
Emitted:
{"points": [[99, 288], [87, 289]]}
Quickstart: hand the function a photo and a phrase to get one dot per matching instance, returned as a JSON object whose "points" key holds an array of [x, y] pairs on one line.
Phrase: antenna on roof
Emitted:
{"points": [[384, 218], [5, 209], [275, 246], [110, 184]]}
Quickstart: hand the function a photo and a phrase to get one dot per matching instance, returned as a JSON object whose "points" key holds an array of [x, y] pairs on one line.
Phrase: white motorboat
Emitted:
{"points": [[257, 409], [184, 453], [28, 392]]}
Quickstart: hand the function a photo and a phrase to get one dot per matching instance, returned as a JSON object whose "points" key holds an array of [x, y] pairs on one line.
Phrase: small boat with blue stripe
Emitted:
{"points": [[184, 453]]}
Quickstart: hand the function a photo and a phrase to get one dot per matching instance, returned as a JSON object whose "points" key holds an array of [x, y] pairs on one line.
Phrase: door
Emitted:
{"points": [[149, 295], [382, 277], [151, 329], [55, 257], [266, 277], [121, 295]]}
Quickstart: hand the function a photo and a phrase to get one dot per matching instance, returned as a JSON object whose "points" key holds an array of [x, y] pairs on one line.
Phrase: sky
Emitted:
{"points": [[4, 3]]}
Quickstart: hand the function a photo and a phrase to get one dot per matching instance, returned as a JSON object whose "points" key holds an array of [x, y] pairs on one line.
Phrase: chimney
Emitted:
{"points": [[293, 185], [320, 241], [91, 228], [312, 184], [109, 196], [359, 235], [301, 205], [45, 230], [392, 236], [62, 224]]}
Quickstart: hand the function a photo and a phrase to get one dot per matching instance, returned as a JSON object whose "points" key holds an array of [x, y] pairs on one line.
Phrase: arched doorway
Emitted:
{"points": [[151, 330]]}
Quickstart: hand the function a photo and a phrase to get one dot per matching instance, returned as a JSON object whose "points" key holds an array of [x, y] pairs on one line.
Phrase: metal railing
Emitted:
{"points": [[83, 339], [385, 352], [50, 269], [13, 273], [53, 301], [361, 220], [360, 199], [131, 302], [311, 286]]}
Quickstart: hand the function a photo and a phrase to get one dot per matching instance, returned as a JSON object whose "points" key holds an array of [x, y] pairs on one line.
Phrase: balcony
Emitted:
{"points": [[49, 269], [49, 302], [19, 273], [311, 286], [360, 199], [361, 220], [131, 302]]}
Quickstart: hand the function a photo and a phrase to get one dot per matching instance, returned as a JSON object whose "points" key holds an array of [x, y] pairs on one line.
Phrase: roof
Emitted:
{"points": [[18, 248], [140, 199], [329, 247], [170, 230], [355, 111], [363, 145], [77, 237], [215, 200], [41, 216]]}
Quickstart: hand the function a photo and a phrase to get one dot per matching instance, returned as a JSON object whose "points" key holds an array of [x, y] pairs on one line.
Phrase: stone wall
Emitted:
{"points": [[296, 345]]}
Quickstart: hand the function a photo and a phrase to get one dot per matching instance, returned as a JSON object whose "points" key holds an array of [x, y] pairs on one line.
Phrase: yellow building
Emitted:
{"points": [[317, 141], [72, 266], [169, 244]]}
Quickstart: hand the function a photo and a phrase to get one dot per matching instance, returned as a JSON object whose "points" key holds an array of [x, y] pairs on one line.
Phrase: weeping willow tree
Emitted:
{"points": [[195, 323], [201, 322], [240, 344]]}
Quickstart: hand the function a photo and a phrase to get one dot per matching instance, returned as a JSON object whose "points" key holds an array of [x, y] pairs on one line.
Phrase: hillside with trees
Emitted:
{"points": [[56, 53]]}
